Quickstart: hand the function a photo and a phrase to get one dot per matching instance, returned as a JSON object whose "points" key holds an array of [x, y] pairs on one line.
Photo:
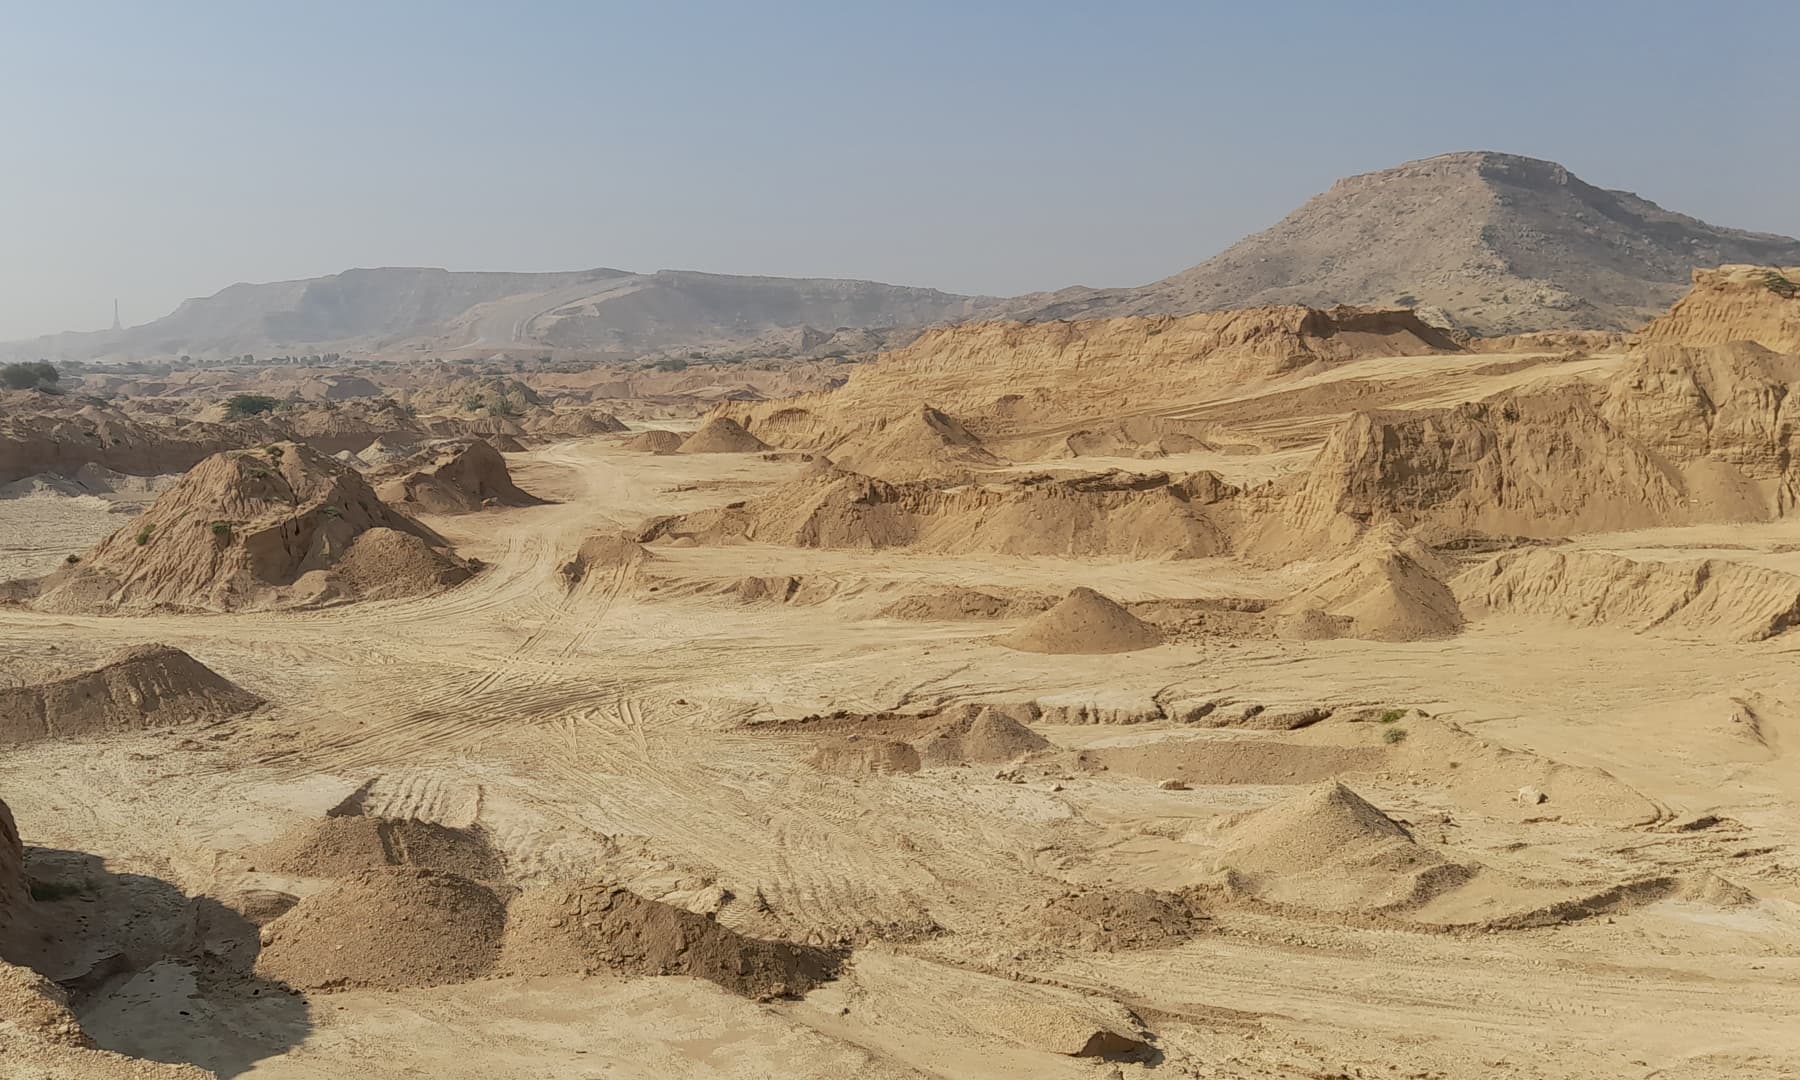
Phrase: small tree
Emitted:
{"points": [[41, 375], [239, 406]]}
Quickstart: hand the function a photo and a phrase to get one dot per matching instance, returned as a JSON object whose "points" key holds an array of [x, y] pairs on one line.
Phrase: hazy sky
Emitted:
{"points": [[154, 152]]}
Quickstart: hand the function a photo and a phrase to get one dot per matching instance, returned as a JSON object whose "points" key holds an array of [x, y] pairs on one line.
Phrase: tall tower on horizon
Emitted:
{"points": [[116, 325]]}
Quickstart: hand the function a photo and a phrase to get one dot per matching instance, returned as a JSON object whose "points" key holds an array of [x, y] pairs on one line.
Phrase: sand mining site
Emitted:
{"points": [[1269, 693]]}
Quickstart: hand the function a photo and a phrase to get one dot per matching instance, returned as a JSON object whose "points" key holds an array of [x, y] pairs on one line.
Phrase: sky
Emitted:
{"points": [[155, 152]]}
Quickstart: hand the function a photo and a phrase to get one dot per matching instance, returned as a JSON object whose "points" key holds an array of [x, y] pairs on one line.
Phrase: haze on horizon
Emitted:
{"points": [[155, 154]]}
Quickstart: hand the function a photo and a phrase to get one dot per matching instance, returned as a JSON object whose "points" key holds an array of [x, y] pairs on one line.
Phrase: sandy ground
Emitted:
{"points": [[618, 730]]}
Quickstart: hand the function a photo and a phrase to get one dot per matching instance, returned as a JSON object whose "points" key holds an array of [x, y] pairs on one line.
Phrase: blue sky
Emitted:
{"points": [[155, 152]]}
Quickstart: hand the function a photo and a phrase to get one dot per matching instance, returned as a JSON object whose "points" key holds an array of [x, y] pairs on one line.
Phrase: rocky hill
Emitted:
{"points": [[1498, 243], [408, 310]]}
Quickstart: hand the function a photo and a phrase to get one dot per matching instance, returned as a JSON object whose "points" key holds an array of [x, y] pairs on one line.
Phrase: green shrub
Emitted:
{"points": [[274, 452], [143, 536], [1394, 735], [222, 529], [1780, 285], [40, 375], [1392, 716], [239, 406], [71, 559]]}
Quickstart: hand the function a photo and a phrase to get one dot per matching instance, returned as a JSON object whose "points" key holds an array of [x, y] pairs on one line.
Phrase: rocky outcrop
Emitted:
{"points": [[1759, 304], [452, 479]]}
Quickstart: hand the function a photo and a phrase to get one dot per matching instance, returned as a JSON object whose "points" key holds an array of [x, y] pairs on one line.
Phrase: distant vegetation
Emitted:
{"points": [[239, 406], [41, 375], [1780, 285]]}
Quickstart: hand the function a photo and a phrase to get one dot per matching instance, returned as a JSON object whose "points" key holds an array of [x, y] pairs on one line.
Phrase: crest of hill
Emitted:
{"points": [[1503, 243], [143, 687], [1011, 382], [453, 479], [1759, 304], [280, 525], [1117, 513], [1083, 622]]}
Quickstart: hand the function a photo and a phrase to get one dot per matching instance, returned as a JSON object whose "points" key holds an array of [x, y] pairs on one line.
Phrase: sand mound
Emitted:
{"points": [[1710, 599], [1114, 513], [1107, 920], [241, 530], [386, 564], [339, 847], [573, 425], [1734, 303], [454, 479], [917, 443], [144, 687], [857, 755], [601, 552], [1329, 849], [953, 603], [980, 735], [589, 928], [392, 927], [1383, 591], [1084, 622], [654, 441], [722, 435]]}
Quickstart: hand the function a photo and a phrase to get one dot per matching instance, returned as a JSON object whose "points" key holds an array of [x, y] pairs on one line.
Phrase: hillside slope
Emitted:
{"points": [[1500, 243]]}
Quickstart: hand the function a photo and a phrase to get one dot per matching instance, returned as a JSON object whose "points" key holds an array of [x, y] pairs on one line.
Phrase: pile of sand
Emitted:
{"points": [[1329, 849], [452, 479], [860, 755], [383, 564], [148, 686], [956, 603], [252, 528], [1759, 304], [1709, 599], [722, 435], [919, 442], [979, 734], [592, 928], [390, 927], [342, 846], [603, 551], [1387, 589], [573, 425], [1083, 622], [1107, 920], [1114, 513], [654, 441]]}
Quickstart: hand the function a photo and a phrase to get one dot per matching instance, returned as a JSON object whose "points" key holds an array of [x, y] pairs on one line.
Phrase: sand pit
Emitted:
{"points": [[722, 435], [148, 686], [392, 927], [594, 928], [1083, 622]]}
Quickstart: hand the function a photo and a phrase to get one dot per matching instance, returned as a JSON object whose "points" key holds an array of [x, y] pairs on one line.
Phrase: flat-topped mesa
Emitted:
{"points": [[278, 526]]}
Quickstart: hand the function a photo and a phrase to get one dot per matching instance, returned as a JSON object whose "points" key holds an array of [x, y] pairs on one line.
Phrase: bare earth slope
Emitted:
{"points": [[1501, 243]]}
